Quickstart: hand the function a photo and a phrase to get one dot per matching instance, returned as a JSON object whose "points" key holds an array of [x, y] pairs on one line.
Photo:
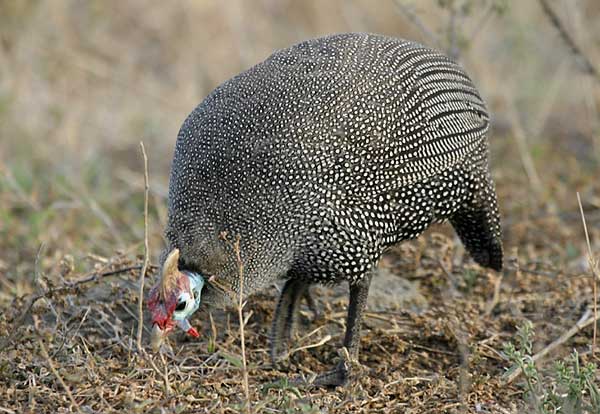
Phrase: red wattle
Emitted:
{"points": [[193, 332]]}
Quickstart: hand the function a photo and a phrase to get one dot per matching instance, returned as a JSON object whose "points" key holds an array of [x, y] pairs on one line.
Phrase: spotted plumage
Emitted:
{"points": [[327, 153]]}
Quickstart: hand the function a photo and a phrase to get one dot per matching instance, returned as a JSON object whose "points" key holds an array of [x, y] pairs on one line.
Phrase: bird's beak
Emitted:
{"points": [[157, 338]]}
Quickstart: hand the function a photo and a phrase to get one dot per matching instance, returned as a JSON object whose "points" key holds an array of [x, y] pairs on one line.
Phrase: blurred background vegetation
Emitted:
{"points": [[83, 82]]}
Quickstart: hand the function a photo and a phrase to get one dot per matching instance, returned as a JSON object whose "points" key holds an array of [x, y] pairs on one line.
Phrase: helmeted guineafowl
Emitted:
{"points": [[319, 158]]}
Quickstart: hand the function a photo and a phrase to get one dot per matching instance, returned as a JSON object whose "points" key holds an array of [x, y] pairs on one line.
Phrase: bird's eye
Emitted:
{"points": [[181, 305]]}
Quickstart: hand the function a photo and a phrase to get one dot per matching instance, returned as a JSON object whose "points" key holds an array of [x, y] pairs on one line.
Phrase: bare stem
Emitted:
{"points": [[453, 17], [163, 374], [592, 264], [145, 264], [413, 18], [581, 57], [240, 308], [519, 135]]}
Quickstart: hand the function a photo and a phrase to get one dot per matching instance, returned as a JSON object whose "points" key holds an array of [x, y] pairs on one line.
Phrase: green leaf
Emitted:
{"points": [[232, 359]]}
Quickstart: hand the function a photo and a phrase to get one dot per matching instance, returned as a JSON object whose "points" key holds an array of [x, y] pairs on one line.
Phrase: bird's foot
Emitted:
{"points": [[346, 370], [279, 354], [336, 377]]}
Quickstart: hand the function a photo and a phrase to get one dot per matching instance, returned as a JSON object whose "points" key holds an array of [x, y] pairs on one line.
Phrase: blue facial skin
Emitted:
{"points": [[196, 284], [192, 301]]}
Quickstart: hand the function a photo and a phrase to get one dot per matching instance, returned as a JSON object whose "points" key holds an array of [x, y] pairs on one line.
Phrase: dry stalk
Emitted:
{"points": [[453, 21], [481, 23], [37, 272], [526, 159], [593, 266], [145, 264], [240, 309], [164, 375], [322, 342]]}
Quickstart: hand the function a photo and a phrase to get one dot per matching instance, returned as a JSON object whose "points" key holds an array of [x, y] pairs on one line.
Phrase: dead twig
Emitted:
{"points": [[145, 263], [18, 190], [164, 375], [53, 369], [453, 18], [593, 266], [481, 23], [583, 322], [526, 159], [581, 58], [411, 379], [68, 288], [412, 17], [323, 341]]}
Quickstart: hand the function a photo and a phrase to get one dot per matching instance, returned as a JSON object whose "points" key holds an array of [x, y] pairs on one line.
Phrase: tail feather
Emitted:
{"points": [[478, 226]]}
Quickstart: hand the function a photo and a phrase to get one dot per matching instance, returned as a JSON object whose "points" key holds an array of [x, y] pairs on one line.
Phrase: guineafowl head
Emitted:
{"points": [[174, 299], [186, 282]]}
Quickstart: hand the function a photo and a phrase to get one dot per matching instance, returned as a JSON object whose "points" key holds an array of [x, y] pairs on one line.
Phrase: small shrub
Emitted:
{"points": [[567, 389]]}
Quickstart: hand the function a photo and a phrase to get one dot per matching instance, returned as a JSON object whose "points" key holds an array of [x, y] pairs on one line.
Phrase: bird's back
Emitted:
{"points": [[329, 151]]}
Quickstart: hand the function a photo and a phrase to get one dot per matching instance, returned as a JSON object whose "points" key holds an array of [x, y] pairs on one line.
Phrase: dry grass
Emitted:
{"points": [[82, 83], [412, 361]]}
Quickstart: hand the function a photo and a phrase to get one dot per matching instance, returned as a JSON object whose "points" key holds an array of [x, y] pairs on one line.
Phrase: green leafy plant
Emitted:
{"points": [[568, 388]]}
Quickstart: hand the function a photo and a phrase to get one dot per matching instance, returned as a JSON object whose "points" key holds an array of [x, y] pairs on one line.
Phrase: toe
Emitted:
{"points": [[336, 377]]}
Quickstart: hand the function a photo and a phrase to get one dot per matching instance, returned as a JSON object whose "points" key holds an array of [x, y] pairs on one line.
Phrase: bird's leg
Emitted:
{"points": [[283, 321], [312, 305], [358, 301]]}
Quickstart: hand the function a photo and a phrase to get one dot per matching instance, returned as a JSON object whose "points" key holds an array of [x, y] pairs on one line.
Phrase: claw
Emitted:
{"points": [[336, 377]]}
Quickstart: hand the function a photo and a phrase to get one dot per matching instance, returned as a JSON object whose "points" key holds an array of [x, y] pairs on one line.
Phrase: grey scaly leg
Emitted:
{"points": [[283, 321], [358, 301], [312, 305]]}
